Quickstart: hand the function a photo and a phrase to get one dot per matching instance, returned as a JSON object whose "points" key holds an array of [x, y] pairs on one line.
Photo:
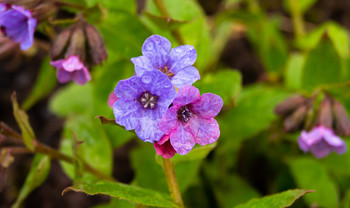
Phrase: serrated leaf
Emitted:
{"points": [[44, 84], [122, 191], [38, 173], [310, 174], [284, 199], [22, 119], [225, 83]]}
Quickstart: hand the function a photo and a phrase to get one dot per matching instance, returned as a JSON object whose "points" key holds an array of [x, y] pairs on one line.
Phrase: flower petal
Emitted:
{"points": [[169, 120], [208, 106], [28, 41], [129, 89], [320, 149], [156, 48], [163, 147], [157, 83], [148, 125], [142, 64], [72, 63], [204, 130], [187, 76], [63, 76], [81, 76], [186, 95], [181, 57], [126, 113], [182, 140], [111, 99]]}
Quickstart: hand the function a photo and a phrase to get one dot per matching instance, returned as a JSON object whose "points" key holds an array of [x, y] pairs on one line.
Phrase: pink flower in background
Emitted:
{"points": [[111, 99], [191, 119], [321, 141], [163, 147], [71, 69]]}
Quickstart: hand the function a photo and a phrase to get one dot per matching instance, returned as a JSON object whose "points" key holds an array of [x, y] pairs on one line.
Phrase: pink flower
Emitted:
{"points": [[164, 148], [321, 141], [71, 69], [111, 99], [191, 119]]}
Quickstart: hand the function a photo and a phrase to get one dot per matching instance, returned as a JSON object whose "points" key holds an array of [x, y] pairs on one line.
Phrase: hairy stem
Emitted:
{"points": [[297, 18], [164, 11], [172, 182]]}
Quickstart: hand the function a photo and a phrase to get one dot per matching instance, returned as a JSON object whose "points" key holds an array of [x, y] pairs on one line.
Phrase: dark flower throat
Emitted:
{"points": [[148, 100], [184, 114]]}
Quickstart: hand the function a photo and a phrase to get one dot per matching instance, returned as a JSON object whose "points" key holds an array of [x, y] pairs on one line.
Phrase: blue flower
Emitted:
{"points": [[142, 102], [18, 24], [176, 63]]}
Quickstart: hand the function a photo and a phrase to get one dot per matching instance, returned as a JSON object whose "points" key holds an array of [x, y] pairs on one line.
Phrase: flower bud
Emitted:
{"points": [[288, 105], [96, 45], [325, 117], [294, 121], [60, 44], [77, 44], [342, 122]]}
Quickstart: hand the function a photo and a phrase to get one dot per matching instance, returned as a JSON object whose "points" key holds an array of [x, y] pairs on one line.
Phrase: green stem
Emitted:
{"points": [[297, 18], [164, 12], [172, 182]]}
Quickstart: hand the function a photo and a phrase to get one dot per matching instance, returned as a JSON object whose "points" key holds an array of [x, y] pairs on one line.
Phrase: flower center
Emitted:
{"points": [[166, 71], [184, 114], [148, 100]]}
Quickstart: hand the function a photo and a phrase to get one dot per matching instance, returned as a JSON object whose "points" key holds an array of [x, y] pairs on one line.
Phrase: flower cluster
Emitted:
{"points": [[18, 24], [331, 119], [149, 104]]}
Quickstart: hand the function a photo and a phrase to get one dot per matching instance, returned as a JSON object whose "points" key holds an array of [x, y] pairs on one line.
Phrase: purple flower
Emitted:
{"points": [[321, 141], [175, 63], [71, 69], [111, 99], [191, 119], [143, 100], [164, 148], [18, 24]]}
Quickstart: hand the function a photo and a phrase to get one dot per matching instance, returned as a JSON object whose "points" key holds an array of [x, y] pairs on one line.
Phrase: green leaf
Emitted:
{"points": [[123, 34], [309, 174], [303, 5], [164, 22], [122, 191], [254, 113], [225, 83], [38, 173], [339, 164], [127, 5], [293, 72], [322, 66], [284, 199], [22, 119], [115, 202], [44, 84], [96, 149], [72, 99]]}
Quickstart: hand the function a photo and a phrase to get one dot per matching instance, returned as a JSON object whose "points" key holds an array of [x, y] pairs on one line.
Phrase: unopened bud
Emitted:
{"points": [[289, 105], [342, 122], [294, 121], [60, 43], [325, 117], [77, 44], [96, 44]]}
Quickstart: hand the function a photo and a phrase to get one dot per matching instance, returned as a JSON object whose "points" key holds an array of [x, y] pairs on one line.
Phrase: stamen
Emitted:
{"points": [[148, 100], [184, 114]]}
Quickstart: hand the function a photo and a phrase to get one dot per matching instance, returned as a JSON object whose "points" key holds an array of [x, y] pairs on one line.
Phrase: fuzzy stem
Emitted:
{"points": [[297, 18], [164, 12], [172, 182]]}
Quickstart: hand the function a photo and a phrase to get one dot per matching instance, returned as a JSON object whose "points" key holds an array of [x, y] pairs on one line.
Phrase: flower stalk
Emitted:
{"points": [[172, 182]]}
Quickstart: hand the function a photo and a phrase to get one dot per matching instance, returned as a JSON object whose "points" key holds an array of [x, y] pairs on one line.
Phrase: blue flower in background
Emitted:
{"points": [[142, 102], [176, 63], [18, 24]]}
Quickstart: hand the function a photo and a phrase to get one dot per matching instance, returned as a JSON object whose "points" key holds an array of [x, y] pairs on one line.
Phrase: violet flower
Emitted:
{"points": [[18, 24], [191, 119], [71, 69], [111, 99], [321, 141], [142, 102], [176, 63]]}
